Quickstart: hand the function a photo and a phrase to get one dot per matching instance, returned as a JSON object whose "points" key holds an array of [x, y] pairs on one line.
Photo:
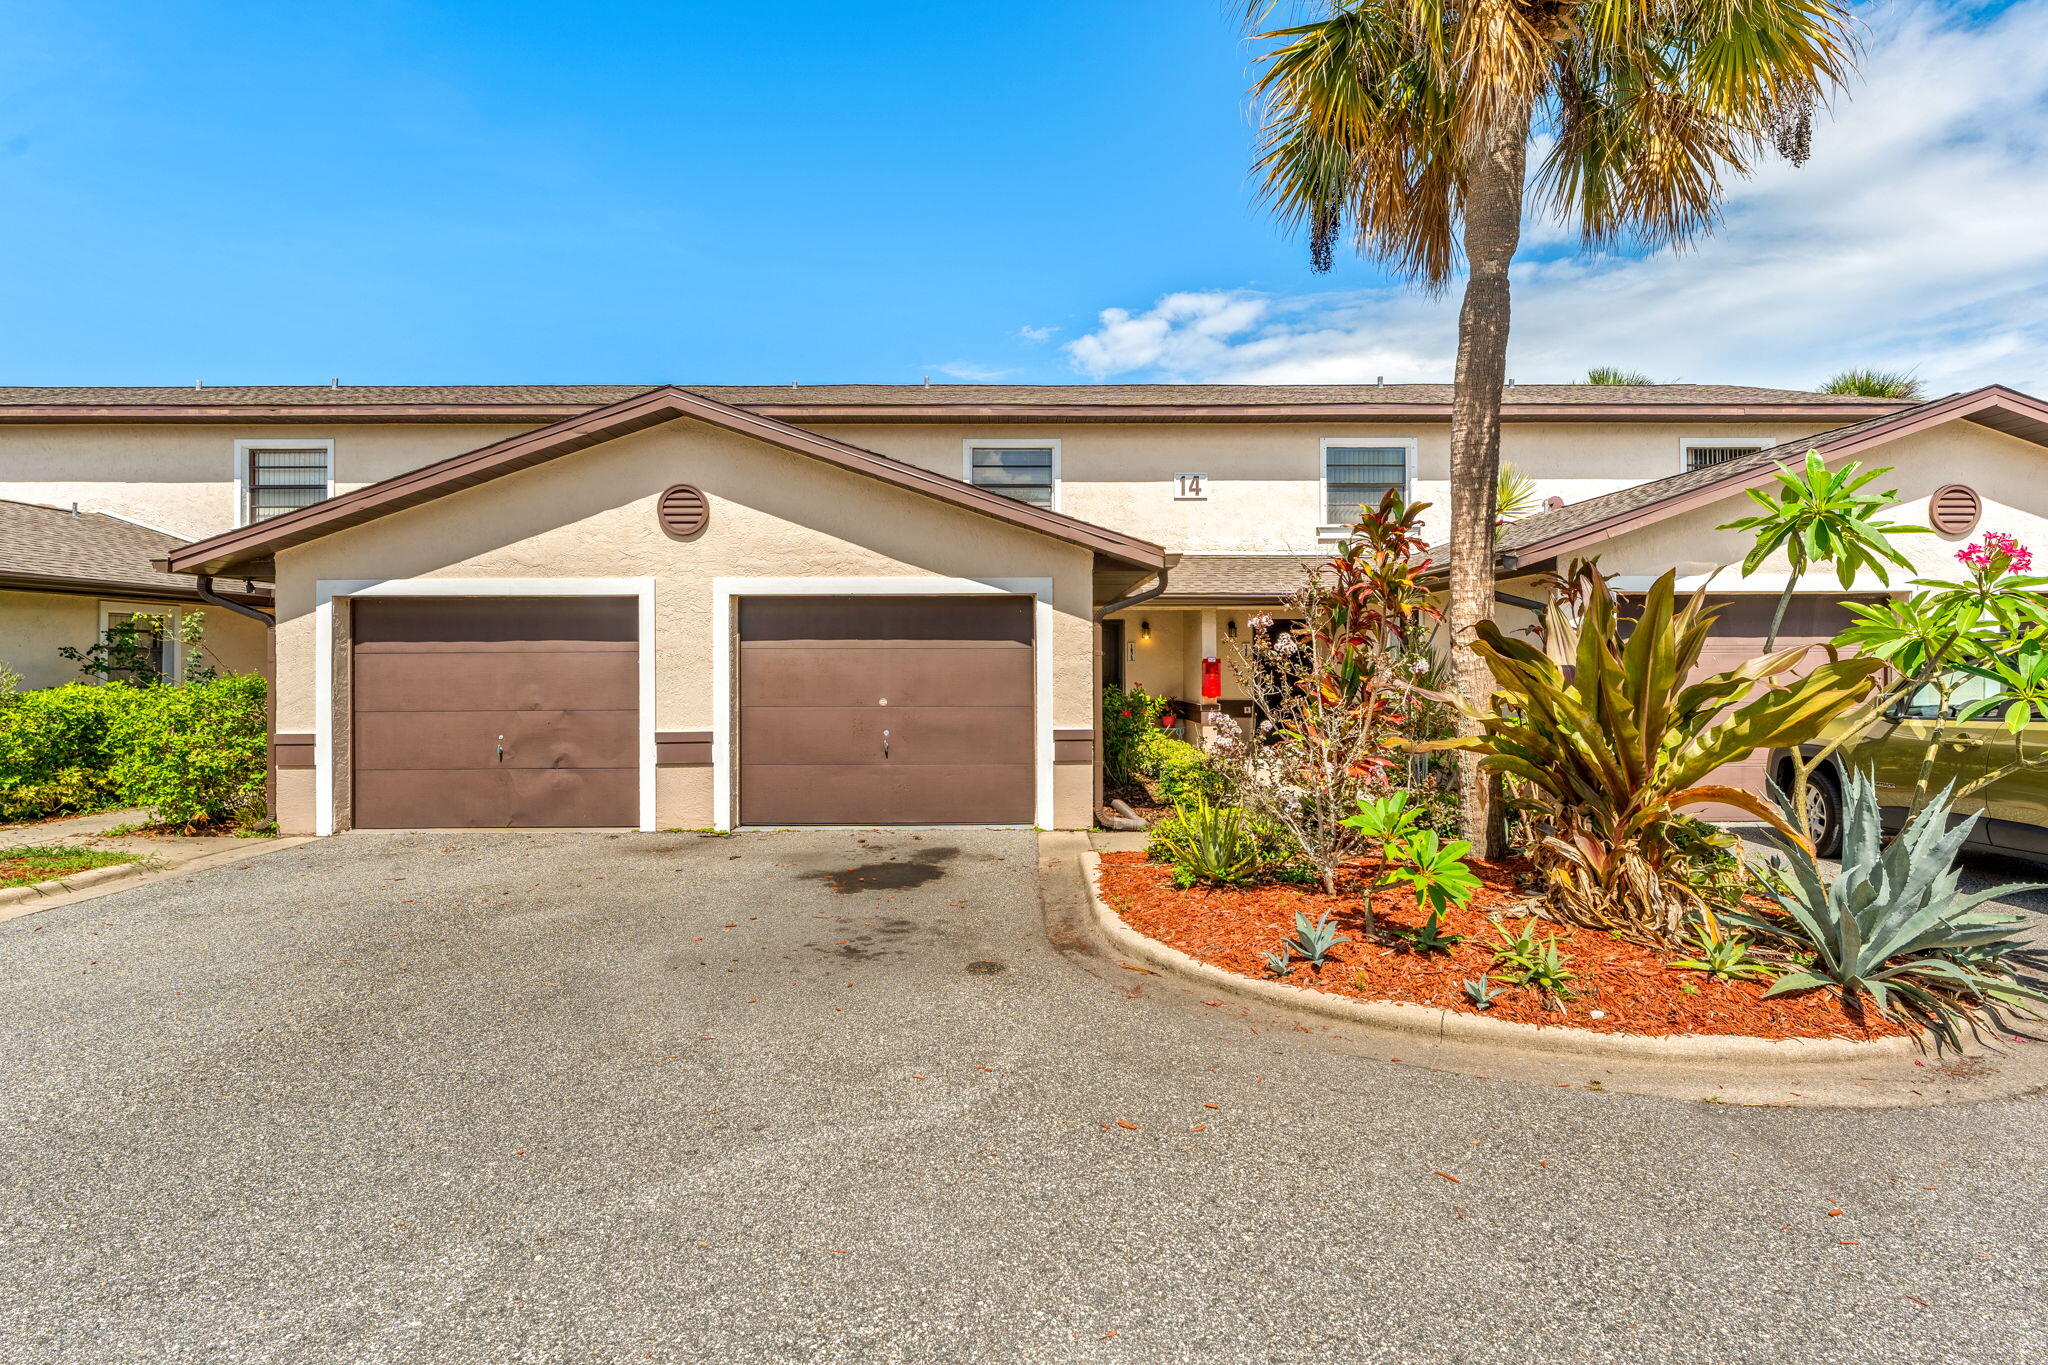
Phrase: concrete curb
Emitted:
{"points": [[29, 900], [1446, 1026], [77, 881]]}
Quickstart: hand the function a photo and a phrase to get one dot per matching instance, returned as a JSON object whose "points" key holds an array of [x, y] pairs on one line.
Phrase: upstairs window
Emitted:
{"points": [[283, 476], [1028, 471], [1707, 451], [1358, 474]]}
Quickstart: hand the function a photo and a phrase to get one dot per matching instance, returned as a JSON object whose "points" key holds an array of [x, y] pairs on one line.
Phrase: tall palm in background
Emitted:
{"points": [[1407, 125]]}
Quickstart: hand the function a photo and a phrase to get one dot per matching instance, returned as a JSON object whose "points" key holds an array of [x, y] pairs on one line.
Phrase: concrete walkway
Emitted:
{"points": [[491, 1097]]}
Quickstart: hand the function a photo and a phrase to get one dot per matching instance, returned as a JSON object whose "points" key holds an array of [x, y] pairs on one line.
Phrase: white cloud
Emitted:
{"points": [[1916, 238], [1037, 334], [971, 373]]}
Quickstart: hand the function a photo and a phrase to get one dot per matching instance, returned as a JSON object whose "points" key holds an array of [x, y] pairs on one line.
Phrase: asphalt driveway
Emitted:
{"points": [[825, 1096]]}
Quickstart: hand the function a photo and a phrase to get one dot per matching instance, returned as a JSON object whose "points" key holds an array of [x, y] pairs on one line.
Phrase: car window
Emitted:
{"points": [[1925, 702]]}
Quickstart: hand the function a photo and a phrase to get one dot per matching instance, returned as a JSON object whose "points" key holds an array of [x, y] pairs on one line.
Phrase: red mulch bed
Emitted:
{"points": [[1633, 987]]}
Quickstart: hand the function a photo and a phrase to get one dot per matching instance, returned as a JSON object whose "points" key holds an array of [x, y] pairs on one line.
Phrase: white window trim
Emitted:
{"points": [[1686, 443], [174, 659], [242, 449], [967, 448], [326, 720], [1325, 531], [724, 628]]}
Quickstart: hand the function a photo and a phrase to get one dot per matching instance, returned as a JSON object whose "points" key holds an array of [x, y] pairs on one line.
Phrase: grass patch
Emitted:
{"points": [[27, 866]]}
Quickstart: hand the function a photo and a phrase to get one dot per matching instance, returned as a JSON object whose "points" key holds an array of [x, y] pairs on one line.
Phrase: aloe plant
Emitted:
{"points": [[1894, 925], [1610, 752]]}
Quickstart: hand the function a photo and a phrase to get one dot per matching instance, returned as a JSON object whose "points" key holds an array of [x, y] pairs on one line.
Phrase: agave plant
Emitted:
{"points": [[1609, 752], [1213, 845], [1894, 926]]}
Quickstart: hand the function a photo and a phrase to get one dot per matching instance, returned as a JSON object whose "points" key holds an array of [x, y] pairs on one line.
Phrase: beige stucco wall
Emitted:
{"points": [[2010, 475], [773, 515], [1264, 480], [35, 625], [181, 479]]}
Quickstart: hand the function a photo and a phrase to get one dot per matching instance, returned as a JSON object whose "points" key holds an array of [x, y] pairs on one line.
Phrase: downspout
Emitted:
{"points": [[1125, 818], [212, 598]]}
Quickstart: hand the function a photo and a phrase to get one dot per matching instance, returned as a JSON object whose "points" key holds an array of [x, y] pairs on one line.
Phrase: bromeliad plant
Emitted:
{"points": [[1894, 926], [1609, 753]]}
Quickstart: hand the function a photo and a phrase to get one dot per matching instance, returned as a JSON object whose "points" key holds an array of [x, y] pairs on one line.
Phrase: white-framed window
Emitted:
{"points": [[1356, 472], [1027, 469], [1699, 452], [281, 475], [158, 636]]}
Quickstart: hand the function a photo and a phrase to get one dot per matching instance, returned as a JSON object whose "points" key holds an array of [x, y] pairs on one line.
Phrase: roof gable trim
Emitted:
{"points": [[261, 540]]}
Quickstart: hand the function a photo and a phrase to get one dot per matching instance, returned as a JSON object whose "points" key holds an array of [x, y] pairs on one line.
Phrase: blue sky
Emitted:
{"points": [[514, 192]]}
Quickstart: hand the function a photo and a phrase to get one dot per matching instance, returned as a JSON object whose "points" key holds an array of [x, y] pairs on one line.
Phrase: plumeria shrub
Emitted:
{"points": [[1986, 631]]}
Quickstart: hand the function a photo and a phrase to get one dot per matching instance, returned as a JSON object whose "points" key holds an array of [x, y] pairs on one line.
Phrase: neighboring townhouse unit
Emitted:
{"points": [[846, 604]]}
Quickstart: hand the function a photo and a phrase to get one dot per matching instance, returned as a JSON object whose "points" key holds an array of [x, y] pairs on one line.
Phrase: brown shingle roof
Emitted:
{"points": [[916, 395], [53, 546], [1581, 523], [1261, 577]]}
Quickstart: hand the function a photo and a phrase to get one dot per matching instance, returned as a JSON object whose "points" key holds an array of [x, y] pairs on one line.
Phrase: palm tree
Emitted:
{"points": [[1610, 374], [1407, 125], [1875, 384]]}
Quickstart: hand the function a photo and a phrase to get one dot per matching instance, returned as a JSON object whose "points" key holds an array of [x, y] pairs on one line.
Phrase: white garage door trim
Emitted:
{"points": [[724, 590], [325, 720]]}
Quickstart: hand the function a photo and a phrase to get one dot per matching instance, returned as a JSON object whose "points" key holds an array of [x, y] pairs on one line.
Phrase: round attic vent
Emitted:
{"points": [[683, 510], [1954, 509]]}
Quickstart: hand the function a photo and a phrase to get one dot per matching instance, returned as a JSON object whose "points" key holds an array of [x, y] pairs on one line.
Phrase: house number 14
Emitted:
{"points": [[1190, 486]]}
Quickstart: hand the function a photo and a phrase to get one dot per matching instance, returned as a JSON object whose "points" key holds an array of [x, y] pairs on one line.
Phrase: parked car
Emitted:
{"points": [[2014, 808]]}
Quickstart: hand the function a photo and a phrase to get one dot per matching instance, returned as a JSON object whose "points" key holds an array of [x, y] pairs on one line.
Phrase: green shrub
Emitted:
{"points": [[1181, 773], [54, 750], [1127, 718], [192, 754]]}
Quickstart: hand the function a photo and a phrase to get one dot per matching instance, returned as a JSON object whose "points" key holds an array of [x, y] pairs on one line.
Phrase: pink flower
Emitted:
{"points": [[1996, 553]]}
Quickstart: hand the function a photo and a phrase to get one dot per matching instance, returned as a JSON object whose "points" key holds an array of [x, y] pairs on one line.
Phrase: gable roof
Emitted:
{"points": [[925, 402], [254, 544], [57, 549], [1577, 525]]}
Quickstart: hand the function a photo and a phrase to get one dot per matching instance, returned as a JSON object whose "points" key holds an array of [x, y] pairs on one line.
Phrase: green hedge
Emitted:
{"points": [[54, 758], [1180, 772], [190, 754]]}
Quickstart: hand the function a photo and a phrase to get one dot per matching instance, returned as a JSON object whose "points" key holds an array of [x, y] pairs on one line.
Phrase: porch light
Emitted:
{"points": [[1145, 630], [1230, 628]]}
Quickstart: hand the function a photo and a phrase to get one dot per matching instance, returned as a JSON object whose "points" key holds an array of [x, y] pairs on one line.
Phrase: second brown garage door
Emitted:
{"points": [[491, 712], [885, 711]]}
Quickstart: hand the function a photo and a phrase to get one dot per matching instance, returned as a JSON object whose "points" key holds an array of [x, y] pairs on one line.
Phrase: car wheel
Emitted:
{"points": [[1824, 815]]}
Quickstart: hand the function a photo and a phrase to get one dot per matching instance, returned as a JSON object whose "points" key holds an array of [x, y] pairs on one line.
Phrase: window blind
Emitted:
{"points": [[1016, 472], [284, 479], [1359, 476]]}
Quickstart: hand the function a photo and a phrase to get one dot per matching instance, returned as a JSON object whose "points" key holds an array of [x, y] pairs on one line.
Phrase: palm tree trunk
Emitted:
{"points": [[1493, 230]]}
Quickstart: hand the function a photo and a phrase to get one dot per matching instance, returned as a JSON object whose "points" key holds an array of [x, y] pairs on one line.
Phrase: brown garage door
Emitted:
{"points": [[1738, 635], [491, 712], [947, 678]]}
